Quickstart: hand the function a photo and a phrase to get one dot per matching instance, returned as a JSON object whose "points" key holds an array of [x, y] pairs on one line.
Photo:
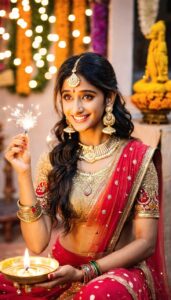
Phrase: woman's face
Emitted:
{"points": [[83, 105]]}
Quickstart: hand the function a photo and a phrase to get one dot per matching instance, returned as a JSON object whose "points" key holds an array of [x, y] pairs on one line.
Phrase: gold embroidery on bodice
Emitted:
{"points": [[86, 188]]}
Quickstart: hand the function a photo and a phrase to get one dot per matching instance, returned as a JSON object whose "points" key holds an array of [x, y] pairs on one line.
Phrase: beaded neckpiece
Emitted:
{"points": [[94, 153]]}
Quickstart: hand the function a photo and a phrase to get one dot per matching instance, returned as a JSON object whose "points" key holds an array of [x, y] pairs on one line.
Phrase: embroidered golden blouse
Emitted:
{"points": [[82, 198], [147, 202]]}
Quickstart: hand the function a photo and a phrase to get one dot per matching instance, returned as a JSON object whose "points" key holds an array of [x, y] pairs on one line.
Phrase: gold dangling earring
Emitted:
{"points": [[108, 121], [69, 129]]}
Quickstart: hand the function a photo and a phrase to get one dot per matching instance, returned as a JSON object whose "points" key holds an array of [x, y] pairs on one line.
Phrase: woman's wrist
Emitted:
{"points": [[24, 176], [79, 275]]}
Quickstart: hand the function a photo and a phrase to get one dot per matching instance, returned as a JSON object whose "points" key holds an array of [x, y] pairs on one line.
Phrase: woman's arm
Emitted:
{"points": [[36, 234], [143, 246]]}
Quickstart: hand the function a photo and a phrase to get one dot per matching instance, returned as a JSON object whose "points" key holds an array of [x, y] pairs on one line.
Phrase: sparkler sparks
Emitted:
{"points": [[25, 119]]}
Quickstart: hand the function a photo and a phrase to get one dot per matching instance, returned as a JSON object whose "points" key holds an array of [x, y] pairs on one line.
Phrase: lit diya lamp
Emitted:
{"points": [[27, 270]]}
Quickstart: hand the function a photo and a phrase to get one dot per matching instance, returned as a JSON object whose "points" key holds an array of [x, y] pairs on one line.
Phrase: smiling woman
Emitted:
{"points": [[83, 107], [100, 186]]}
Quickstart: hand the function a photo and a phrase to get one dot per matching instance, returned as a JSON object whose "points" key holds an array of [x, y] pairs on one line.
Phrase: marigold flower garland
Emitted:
{"points": [[14, 47], [23, 46], [61, 48], [36, 20], [99, 27], [79, 24], [23, 52]]}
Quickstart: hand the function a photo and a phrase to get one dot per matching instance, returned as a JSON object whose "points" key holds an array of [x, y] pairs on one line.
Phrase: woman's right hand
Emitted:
{"points": [[17, 153]]}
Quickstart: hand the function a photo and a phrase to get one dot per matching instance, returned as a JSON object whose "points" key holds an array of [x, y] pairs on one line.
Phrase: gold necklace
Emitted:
{"points": [[94, 153], [89, 181]]}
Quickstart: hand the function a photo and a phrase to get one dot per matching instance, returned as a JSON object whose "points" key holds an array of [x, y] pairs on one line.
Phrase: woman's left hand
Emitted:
{"points": [[64, 274]]}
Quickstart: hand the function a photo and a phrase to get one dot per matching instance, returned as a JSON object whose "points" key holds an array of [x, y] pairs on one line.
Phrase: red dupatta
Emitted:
{"points": [[115, 203]]}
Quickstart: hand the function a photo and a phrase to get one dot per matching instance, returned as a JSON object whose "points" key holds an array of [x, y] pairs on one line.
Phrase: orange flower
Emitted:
{"points": [[153, 101], [79, 24], [61, 12], [23, 51]]}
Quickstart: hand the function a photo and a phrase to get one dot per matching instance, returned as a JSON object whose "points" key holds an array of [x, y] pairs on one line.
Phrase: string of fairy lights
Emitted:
{"points": [[35, 19]]}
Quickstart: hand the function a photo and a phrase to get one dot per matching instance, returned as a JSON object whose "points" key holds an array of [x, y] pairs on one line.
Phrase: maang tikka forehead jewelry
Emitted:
{"points": [[74, 79]]}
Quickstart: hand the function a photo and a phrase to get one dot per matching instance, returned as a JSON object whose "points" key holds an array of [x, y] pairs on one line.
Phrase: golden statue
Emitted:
{"points": [[157, 59], [153, 91]]}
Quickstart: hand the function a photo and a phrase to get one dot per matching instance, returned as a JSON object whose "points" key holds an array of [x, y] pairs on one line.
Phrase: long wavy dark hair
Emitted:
{"points": [[99, 72]]}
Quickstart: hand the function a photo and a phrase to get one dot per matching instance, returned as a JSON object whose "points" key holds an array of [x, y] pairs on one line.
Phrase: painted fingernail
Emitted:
{"points": [[50, 276]]}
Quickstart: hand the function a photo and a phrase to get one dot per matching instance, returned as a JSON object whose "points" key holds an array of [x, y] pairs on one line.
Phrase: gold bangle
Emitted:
{"points": [[28, 219], [28, 207], [30, 216]]}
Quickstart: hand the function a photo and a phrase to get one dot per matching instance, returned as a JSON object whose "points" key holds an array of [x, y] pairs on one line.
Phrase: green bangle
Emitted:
{"points": [[96, 266]]}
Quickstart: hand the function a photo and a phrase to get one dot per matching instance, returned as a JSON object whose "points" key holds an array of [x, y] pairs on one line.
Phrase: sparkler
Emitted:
{"points": [[25, 119]]}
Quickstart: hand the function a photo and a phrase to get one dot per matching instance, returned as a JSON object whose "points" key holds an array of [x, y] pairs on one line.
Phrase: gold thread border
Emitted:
{"points": [[147, 272], [146, 215], [71, 291]]}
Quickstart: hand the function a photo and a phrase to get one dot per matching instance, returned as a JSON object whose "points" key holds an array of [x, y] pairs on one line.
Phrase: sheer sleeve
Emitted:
{"points": [[147, 201], [41, 181]]}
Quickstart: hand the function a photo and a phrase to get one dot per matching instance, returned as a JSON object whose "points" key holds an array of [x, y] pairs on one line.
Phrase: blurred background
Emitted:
{"points": [[36, 36]]}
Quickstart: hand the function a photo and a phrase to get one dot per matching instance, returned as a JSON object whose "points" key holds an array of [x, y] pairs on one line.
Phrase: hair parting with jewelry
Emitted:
{"points": [[99, 72]]}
